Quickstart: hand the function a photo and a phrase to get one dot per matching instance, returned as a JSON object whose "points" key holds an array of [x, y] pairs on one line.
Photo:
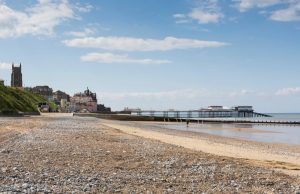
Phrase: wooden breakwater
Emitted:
{"points": [[239, 120], [128, 117]]}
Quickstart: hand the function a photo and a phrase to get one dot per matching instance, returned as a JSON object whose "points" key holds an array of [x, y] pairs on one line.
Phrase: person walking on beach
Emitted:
{"points": [[187, 123]]}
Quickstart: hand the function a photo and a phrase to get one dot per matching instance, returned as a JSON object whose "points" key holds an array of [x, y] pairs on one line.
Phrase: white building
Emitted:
{"points": [[84, 101]]}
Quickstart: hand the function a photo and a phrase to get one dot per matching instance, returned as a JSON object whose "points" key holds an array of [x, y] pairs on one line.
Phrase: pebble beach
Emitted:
{"points": [[76, 155]]}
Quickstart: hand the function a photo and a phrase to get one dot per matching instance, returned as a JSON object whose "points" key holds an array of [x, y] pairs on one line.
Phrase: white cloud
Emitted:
{"points": [[181, 18], [287, 91], [179, 15], [182, 21], [240, 93], [5, 66], [138, 44], [183, 94], [287, 15], [244, 5], [204, 17], [113, 58], [40, 19], [179, 94], [171, 95], [84, 8], [245, 93], [86, 32], [207, 11]]}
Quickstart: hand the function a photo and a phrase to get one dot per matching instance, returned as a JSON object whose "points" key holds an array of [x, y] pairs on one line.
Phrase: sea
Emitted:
{"points": [[272, 133]]}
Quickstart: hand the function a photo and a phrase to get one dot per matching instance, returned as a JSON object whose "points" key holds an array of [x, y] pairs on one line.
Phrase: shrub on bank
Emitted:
{"points": [[18, 100]]}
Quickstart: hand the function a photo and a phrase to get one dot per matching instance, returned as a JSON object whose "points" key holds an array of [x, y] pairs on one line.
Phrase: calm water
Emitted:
{"points": [[285, 116], [287, 134]]}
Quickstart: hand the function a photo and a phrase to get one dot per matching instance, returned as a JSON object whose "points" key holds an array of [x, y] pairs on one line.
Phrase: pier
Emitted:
{"points": [[216, 114], [215, 117], [200, 114]]}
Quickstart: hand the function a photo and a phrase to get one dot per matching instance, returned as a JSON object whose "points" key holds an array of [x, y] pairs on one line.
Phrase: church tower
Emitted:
{"points": [[16, 76]]}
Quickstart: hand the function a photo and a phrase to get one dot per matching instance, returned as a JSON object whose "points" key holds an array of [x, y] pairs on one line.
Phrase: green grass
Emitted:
{"points": [[19, 100]]}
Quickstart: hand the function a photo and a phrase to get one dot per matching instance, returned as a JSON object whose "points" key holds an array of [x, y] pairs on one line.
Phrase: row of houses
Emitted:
{"points": [[81, 102]]}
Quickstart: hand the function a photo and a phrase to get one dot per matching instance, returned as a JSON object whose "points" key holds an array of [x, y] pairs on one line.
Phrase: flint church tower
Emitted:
{"points": [[16, 76]]}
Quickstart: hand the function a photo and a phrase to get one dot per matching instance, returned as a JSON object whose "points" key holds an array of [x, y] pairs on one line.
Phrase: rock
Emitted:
{"points": [[5, 151], [4, 170], [25, 185]]}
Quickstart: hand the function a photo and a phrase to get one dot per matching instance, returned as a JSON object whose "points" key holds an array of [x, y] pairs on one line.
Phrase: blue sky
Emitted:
{"points": [[154, 54]]}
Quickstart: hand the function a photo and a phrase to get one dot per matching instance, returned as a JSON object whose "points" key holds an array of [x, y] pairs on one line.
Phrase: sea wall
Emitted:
{"points": [[18, 114], [119, 117], [11, 114]]}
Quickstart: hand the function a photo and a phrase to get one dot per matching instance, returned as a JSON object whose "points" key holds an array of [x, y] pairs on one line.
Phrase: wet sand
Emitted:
{"points": [[276, 156], [73, 154], [239, 129]]}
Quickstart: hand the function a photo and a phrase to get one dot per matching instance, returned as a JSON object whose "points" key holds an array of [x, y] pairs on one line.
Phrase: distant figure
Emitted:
{"points": [[187, 123]]}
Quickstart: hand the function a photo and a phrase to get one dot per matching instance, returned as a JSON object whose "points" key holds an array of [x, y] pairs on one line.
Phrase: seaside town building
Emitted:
{"points": [[62, 99], [16, 76], [59, 95], [45, 91], [64, 105], [84, 102]]}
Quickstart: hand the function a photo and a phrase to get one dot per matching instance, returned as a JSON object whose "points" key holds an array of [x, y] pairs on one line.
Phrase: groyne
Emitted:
{"points": [[127, 117]]}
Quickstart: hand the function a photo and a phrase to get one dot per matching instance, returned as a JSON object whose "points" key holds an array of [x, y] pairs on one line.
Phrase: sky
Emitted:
{"points": [[158, 54]]}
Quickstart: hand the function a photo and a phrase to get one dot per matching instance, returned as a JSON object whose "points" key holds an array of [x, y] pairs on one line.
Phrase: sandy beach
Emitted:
{"points": [[72, 154], [276, 156]]}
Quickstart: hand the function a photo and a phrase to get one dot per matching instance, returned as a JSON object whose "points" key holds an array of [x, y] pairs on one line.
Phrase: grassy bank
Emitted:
{"points": [[18, 100]]}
